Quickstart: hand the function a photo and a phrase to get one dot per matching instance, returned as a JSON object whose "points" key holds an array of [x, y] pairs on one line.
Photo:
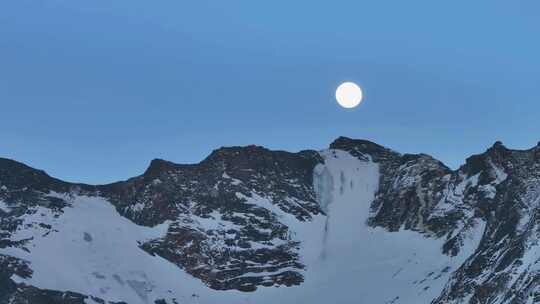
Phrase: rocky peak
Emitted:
{"points": [[235, 151], [157, 167], [252, 157], [357, 147], [498, 160], [498, 152]]}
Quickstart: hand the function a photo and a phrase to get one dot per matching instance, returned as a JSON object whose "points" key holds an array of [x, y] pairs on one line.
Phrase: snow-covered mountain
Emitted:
{"points": [[356, 223]]}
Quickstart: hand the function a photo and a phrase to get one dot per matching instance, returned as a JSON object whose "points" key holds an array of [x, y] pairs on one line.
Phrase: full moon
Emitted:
{"points": [[348, 95]]}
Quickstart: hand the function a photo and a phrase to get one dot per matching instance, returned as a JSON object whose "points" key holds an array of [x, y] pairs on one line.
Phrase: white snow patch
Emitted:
{"points": [[4, 207], [95, 252], [500, 175], [234, 181], [137, 207]]}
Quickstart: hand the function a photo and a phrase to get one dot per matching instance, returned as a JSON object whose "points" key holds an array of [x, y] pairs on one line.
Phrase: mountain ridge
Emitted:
{"points": [[247, 218], [338, 143]]}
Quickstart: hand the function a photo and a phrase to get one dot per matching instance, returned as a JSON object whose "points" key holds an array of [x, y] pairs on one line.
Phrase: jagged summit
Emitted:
{"points": [[345, 143], [157, 166], [498, 144], [256, 154], [239, 153]]}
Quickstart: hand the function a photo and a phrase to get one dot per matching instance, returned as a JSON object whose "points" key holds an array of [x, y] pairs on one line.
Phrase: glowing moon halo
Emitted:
{"points": [[349, 95]]}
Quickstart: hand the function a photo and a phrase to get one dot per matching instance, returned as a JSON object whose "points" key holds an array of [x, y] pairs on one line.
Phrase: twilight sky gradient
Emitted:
{"points": [[91, 91]]}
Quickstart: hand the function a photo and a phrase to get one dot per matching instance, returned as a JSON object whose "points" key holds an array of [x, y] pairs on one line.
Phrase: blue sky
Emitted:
{"points": [[91, 91]]}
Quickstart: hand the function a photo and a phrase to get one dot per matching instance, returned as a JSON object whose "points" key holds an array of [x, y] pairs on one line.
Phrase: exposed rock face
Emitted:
{"points": [[500, 187], [225, 224], [504, 269], [216, 232], [241, 238]]}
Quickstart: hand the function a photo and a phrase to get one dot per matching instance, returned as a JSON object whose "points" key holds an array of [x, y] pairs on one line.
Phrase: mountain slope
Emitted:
{"points": [[354, 223]]}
